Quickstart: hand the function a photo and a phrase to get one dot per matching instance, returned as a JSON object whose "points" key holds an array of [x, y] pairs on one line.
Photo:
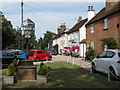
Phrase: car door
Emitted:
{"points": [[99, 61], [40, 55], [44, 54], [108, 60]]}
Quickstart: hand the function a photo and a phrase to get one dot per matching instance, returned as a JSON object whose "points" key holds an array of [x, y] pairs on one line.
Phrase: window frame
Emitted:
{"points": [[92, 28], [112, 53], [105, 23]]}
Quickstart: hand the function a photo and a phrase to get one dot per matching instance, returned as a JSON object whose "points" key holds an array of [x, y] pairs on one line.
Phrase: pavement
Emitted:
{"points": [[75, 61]]}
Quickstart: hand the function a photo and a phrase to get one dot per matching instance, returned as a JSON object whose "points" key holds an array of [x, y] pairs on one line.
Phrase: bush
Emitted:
{"points": [[90, 53], [110, 42], [42, 69], [12, 68]]}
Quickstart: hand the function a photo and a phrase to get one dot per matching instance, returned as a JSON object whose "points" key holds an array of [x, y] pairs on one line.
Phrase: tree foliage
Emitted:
{"points": [[90, 53], [8, 33], [43, 42], [56, 47], [110, 42]]}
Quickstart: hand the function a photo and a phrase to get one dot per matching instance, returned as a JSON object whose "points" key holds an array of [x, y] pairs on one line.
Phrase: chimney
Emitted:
{"points": [[91, 12], [110, 3], [63, 27], [59, 29], [80, 19]]}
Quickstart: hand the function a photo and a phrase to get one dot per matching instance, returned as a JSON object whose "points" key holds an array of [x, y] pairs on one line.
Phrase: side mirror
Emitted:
{"points": [[97, 57]]}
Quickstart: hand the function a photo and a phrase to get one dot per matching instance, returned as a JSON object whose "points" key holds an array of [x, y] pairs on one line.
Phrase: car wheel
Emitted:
{"points": [[50, 59], [37, 59], [93, 68], [112, 74]]}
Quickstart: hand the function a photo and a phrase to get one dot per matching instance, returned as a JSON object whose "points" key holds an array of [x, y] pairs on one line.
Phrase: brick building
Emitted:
{"points": [[105, 24]]}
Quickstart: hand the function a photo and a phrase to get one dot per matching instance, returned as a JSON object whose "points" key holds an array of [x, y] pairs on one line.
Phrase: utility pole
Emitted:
{"points": [[21, 24]]}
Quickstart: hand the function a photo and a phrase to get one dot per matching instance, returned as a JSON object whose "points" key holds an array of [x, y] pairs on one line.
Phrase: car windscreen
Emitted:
{"points": [[7, 54], [119, 54], [31, 53]]}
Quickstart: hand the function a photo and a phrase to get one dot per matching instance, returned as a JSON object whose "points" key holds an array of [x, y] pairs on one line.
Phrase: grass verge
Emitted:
{"points": [[66, 75]]}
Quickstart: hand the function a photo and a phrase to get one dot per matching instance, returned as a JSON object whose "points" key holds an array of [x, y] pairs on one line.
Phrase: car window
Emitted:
{"points": [[44, 52], [31, 53], [110, 54], [39, 52], [119, 54], [102, 55], [17, 53]]}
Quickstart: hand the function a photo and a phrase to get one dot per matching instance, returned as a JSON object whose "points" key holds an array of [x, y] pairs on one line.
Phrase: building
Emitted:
{"points": [[105, 24], [61, 37], [76, 34]]}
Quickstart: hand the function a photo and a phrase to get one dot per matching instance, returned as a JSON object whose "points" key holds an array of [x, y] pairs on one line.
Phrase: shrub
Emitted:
{"points": [[12, 68], [42, 69], [90, 53], [110, 42]]}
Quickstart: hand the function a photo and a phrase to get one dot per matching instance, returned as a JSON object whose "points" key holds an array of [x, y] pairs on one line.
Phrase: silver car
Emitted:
{"points": [[107, 61]]}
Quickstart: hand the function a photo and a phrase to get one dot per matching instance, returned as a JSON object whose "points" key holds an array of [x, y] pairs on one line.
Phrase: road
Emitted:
{"points": [[75, 61]]}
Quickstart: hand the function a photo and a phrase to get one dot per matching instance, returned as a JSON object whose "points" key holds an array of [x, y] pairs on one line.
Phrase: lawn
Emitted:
{"points": [[66, 75]]}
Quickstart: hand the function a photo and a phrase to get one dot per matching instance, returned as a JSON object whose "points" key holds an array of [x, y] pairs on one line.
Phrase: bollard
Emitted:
{"points": [[91, 69], [67, 59], [108, 76]]}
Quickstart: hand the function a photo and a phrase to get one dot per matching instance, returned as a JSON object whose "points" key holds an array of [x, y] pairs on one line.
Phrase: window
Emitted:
{"points": [[105, 23], [88, 44], [92, 28], [39, 52], [92, 44], [110, 54], [31, 53], [102, 55], [44, 52], [119, 54]]}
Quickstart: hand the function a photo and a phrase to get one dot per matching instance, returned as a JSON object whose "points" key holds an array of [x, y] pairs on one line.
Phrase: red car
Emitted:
{"points": [[39, 55]]}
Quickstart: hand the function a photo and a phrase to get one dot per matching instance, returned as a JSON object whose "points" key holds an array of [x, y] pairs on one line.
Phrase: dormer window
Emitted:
{"points": [[92, 28], [105, 23]]}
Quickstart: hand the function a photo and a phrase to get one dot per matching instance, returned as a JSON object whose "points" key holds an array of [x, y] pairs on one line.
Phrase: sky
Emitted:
{"points": [[47, 16]]}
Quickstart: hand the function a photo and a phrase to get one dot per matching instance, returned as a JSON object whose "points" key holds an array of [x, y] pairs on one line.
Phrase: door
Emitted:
{"points": [[99, 61], [108, 60], [40, 55]]}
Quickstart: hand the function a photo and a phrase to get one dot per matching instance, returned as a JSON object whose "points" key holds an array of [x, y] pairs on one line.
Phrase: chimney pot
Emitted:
{"points": [[80, 19], [88, 8]]}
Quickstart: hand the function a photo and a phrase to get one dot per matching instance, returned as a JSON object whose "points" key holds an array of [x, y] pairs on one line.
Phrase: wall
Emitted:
{"points": [[100, 33]]}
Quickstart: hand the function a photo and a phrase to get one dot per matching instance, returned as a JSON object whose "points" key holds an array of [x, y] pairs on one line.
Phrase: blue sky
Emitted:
{"points": [[48, 15]]}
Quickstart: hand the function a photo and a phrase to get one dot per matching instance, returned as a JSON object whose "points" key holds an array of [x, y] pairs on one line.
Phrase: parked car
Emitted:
{"points": [[52, 51], [108, 60], [39, 55], [19, 53], [7, 58]]}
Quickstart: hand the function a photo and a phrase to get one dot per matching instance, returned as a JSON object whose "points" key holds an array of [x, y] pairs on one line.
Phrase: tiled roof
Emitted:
{"points": [[83, 41], [77, 26], [103, 13]]}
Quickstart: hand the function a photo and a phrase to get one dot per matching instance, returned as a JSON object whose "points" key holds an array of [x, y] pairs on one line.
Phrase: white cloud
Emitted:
{"points": [[47, 21]]}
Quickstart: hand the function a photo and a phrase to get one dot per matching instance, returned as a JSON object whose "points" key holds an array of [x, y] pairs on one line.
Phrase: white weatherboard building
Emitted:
{"points": [[76, 36]]}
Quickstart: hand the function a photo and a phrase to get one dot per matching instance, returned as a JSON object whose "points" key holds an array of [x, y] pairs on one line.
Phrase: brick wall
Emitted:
{"points": [[100, 33]]}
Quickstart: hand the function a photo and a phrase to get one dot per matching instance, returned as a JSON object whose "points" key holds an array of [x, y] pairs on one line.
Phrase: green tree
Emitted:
{"points": [[56, 47], [44, 41], [8, 33]]}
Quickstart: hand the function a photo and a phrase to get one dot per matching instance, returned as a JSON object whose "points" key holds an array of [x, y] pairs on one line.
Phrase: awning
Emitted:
{"points": [[67, 47], [75, 47]]}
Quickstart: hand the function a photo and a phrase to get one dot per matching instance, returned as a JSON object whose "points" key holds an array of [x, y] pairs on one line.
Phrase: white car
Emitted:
{"points": [[108, 60]]}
